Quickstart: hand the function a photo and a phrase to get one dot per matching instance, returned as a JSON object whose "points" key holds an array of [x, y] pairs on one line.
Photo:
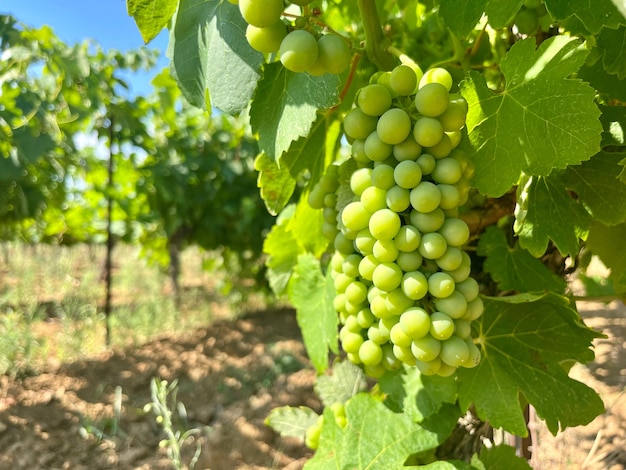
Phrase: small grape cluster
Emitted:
{"points": [[299, 46], [403, 288], [312, 437]]}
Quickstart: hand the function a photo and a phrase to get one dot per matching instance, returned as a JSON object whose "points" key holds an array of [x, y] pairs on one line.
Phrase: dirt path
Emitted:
{"points": [[231, 375]]}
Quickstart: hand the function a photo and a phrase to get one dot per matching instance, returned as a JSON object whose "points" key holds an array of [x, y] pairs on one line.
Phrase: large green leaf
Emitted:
{"points": [[546, 211], [594, 15], [375, 438], [525, 339], [608, 244], [312, 294], [151, 16], [286, 104], [211, 57], [542, 120], [515, 268]]}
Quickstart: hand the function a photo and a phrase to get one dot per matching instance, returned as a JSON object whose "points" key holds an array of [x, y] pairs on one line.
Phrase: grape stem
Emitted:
{"points": [[405, 59], [374, 37]]}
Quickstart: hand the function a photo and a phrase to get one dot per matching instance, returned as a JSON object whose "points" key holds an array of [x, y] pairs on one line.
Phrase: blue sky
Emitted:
{"points": [[105, 21]]}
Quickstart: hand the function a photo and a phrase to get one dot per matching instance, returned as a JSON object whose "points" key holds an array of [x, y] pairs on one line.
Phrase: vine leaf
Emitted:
{"points": [[597, 185], [346, 381], [515, 268], [286, 104], [276, 184], [282, 250], [501, 456], [525, 339], [540, 121], [151, 16], [462, 16], [594, 15], [374, 438], [211, 59], [312, 295], [606, 243], [291, 421], [612, 44], [547, 212]]}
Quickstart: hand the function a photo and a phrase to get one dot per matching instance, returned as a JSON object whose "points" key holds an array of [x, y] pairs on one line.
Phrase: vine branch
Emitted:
{"points": [[375, 47]]}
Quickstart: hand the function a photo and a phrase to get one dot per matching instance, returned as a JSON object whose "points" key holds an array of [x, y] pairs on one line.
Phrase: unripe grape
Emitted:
{"points": [[384, 224], [298, 51], [409, 261], [398, 199], [364, 242], [451, 259], [409, 149], [427, 131], [440, 285], [432, 99], [469, 288], [474, 354], [427, 162], [455, 231], [442, 148], [454, 351], [385, 251], [341, 281], [441, 326], [356, 292], [429, 367], [367, 266], [425, 197], [375, 149], [415, 322], [432, 245], [343, 245], [358, 152], [462, 329], [425, 349], [351, 342], [359, 125], [453, 118], [454, 305], [266, 40], [437, 75], [370, 353], [447, 171], [360, 180], [374, 199], [399, 337], [408, 238], [261, 13], [407, 174], [427, 222], [394, 126], [350, 265], [474, 309], [387, 276], [355, 217], [397, 302], [414, 285], [374, 99], [450, 197], [334, 53], [403, 80], [404, 354], [365, 318]]}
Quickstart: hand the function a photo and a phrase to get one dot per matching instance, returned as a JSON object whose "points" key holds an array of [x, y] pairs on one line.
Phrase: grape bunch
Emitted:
{"points": [[300, 47], [403, 288]]}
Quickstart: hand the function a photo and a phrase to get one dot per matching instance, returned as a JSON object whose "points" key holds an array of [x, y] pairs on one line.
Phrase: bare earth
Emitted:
{"points": [[231, 375]]}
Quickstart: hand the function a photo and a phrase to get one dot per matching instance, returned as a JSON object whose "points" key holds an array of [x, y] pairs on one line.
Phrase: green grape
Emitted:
{"points": [[343, 245], [356, 292], [360, 180], [390, 361], [450, 197], [427, 131], [374, 99], [429, 367], [427, 162], [298, 51], [409, 261], [385, 325], [403, 80], [407, 174], [350, 265], [427, 222], [387, 276], [441, 326], [409, 149], [316, 197], [426, 348], [454, 351], [364, 242], [474, 309], [404, 355], [373, 199], [445, 370], [313, 433], [447, 171], [398, 199], [383, 176], [266, 40], [370, 353], [355, 216], [469, 288], [462, 329], [330, 201], [397, 302], [329, 231], [339, 302], [432, 99], [341, 282], [261, 13], [352, 324], [399, 337], [384, 79], [375, 149], [474, 354], [352, 308], [376, 371], [394, 126], [358, 152], [367, 266], [415, 322], [334, 53], [384, 224], [352, 342], [441, 149], [437, 75], [365, 318], [408, 238], [454, 137], [461, 273], [358, 125], [376, 336], [336, 261], [373, 292], [425, 197], [378, 306], [414, 285], [451, 259], [453, 118], [440, 285], [432, 245], [385, 251], [455, 231], [455, 305], [526, 21]]}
